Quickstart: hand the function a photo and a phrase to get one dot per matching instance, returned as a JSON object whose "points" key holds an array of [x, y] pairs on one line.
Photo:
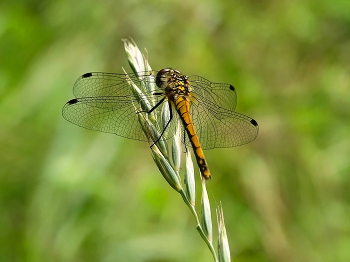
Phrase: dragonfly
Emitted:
{"points": [[203, 110]]}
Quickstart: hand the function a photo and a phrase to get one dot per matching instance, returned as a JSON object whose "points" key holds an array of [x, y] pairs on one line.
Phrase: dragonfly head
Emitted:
{"points": [[166, 75]]}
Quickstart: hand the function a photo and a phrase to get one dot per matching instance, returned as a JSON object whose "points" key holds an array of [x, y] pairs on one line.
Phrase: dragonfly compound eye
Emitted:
{"points": [[162, 76]]}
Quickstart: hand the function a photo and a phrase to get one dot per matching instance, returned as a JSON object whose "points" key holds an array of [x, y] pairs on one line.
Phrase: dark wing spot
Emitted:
{"points": [[253, 122], [232, 88], [73, 101], [86, 75]]}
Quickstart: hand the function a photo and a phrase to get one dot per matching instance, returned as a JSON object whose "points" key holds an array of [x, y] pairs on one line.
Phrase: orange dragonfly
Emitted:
{"points": [[110, 103]]}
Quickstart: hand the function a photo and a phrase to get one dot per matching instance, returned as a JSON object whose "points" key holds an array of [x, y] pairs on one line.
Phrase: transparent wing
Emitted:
{"points": [[218, 127], [108, 103], [109, 84], [222, 95]]}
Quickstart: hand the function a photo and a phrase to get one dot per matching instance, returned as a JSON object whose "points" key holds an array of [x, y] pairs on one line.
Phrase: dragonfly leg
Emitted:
{"points": [[167, 124], [158, 104], [151, 110]]}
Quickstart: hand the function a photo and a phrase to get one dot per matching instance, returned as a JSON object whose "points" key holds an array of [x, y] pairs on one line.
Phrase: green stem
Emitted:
{"points": [[199, 227]]}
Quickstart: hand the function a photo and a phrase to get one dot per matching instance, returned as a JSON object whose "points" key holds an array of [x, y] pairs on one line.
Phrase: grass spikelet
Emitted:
{"points": [[206, 213], [176, 149], [223, 246], [166, 169], [189, 179]]}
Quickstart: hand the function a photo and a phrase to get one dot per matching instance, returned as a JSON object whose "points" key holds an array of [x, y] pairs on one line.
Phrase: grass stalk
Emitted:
{"points": [[170, 168]]}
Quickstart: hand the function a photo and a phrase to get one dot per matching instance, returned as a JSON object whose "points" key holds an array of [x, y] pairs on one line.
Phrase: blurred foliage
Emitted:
{"points": [[69, 194]]}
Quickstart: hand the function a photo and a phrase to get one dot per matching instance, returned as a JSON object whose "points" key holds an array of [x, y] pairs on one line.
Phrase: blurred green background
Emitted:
{"points": [[70, 194]]}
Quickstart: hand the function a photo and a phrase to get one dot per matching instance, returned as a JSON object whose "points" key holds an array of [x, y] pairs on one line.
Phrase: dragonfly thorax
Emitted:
{"points": [[173, 83]]}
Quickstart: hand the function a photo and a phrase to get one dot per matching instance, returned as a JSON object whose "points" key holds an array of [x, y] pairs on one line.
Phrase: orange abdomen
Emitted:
{"points": [[183, 108]]}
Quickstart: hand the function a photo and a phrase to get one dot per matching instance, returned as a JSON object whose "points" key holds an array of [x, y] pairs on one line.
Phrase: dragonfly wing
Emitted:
{"points": [[107, 102], [115, 115], [223, 95], [98, 84], [218, 127]]}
